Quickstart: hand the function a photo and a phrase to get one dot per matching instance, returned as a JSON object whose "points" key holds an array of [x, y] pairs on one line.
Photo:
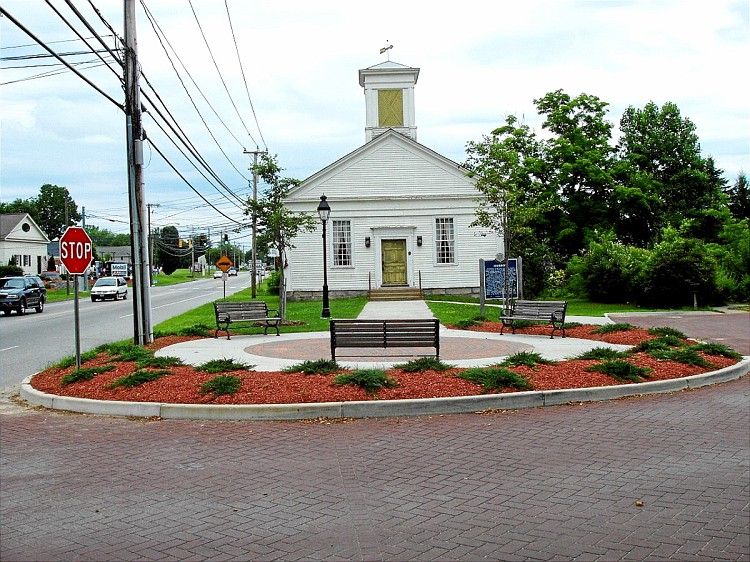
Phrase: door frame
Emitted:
{"points": [[405, 262], [393, 233]]}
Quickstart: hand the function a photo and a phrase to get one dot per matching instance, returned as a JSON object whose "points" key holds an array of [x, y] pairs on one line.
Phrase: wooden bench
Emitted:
{"points": [[244, 311], [551, 312], [385, 333]]}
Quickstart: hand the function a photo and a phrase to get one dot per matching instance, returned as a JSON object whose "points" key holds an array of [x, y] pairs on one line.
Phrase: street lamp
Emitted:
{"points": [[324, 211]]}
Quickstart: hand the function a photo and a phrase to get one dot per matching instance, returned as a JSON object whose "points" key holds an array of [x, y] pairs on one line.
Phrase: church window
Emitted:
{"points": [[390, 108], [444, 240], [342, 243]]}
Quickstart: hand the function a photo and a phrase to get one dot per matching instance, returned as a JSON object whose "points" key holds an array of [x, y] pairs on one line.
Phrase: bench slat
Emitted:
{"points": [[551, 312], [244, 311], [385, 333]]}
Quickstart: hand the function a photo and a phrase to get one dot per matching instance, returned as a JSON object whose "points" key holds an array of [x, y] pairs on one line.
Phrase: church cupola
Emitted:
{"points": [[389, 98]]}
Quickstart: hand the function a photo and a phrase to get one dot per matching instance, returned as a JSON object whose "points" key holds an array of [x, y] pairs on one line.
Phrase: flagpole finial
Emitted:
{"points": [[387, 49]]}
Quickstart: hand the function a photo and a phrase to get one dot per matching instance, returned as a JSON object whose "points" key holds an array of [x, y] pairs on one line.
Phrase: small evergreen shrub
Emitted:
{"points": [[423, 364], [659, 344], [317, 367], [602, 354], [10, 270], [518, 324], [525, 358], [70, 360], [569, 325], [716, 349], [495, 378], [667, 331], [683, 355], [222, 384], [610, 328], [159, 362], [468, 323], [621, 370], [224, 365], [127, 351], [84, 374], [371, 380], [195, 330], [138, 378]]}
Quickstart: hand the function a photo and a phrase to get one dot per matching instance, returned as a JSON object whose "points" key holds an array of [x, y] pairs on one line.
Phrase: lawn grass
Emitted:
{"points": [[177, 276]]}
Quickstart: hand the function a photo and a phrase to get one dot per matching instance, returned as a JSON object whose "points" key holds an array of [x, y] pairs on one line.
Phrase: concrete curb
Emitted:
{"points": [[377, 408]]}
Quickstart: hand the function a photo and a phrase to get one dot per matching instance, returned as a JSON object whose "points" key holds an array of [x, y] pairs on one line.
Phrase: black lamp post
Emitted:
{"points": [[324, 211]]}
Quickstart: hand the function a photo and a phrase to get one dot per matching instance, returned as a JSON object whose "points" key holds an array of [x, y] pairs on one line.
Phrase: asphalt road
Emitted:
{"points": [[31, 342]]}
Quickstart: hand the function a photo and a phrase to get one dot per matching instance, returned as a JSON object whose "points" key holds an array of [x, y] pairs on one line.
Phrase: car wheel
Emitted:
{"points": [[21, 310], [6, 311], [125, 296], [40, 307], [93, 299]]}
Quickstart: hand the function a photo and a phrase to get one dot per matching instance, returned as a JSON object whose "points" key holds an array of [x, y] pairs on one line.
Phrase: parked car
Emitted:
{"points": [[109, 288], [218, 274], [232, 271], [22, 293]]}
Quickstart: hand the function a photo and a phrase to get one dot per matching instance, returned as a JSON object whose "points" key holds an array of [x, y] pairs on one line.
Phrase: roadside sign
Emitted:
{"points": [[76, 250], [224, 263]]}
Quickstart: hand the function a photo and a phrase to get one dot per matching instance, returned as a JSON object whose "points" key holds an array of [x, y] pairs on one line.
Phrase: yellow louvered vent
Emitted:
{"points": [[390, 108]]}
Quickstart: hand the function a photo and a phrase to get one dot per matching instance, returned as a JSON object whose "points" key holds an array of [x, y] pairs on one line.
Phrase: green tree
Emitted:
{"points": [[18, 206], [739, 197], [281, 224], [579, 166], [51, 204], [104, 237], [167, 249]]}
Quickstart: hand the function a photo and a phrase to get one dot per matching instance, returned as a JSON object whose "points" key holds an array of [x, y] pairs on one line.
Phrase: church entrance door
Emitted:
{"points": [[394, 262]]}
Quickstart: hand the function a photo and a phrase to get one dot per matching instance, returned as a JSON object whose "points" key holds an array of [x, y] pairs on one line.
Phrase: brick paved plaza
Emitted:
{"points": [[550, 483]]}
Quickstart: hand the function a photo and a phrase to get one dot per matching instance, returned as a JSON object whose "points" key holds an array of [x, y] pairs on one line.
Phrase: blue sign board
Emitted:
{"points": [[494, 279]]}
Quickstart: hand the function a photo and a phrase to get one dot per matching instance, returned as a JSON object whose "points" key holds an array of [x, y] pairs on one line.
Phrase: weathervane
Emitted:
{"points": [[386, 49]]}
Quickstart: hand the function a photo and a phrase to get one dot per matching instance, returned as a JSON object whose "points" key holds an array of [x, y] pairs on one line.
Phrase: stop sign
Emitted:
{"points": [[76, 250]]}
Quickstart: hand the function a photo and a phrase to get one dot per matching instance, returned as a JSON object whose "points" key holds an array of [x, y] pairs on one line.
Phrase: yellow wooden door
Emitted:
{"points": [[394, 262]]}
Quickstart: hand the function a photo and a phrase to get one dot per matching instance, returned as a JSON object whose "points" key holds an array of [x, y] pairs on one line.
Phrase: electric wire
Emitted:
{"points": [[47, 55], [221, 77], [92, 30], [48, 43], [48, 49], [242, 70], [51, 73]]}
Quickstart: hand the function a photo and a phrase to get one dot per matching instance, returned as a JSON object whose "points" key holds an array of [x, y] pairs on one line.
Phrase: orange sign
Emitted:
{"points": [[224, 263]]}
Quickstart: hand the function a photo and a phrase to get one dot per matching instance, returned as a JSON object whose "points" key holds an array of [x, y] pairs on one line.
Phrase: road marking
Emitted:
{"points": [[7, 348]]}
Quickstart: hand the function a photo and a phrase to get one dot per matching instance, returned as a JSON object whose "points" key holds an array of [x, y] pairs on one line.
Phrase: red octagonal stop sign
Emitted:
{"points": [[76, 250]]}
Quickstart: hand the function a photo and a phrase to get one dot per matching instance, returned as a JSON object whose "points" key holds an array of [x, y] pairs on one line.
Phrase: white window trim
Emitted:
{"points": [[351, 246], [437, 263]]}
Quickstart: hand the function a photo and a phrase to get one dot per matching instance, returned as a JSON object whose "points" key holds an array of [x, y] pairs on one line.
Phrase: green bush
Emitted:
{"points": [[272, 282], [70, 360], [196, 330], [128, 351], [424, 364], [159, 362], [665, 343], [317, 367], [222, 384], [468, 323], [602, 353], [525, 358], [224, 365], [10, 270], [371, 380], [138, 378], [683, 355], [610, 328], [621, 370], [569, 325], [716, 349], [667, 331], [84, 374], [495, 378], [611, 272]]}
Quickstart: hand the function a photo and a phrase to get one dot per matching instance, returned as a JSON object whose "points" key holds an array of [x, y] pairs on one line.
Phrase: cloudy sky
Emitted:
{"points": [[480, 61]]}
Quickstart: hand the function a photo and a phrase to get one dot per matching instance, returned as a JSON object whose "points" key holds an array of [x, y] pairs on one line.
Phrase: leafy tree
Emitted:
{"points": [[579, 160], [739, 197], [18, 206], [281, 224], [104, 237], [167, 249], [50, 210]]}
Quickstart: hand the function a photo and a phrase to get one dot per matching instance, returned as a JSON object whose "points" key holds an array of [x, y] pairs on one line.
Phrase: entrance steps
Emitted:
{"points": [[395, 294]]}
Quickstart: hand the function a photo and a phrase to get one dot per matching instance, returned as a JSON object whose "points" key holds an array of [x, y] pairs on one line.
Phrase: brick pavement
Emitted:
{"points": [[551, 483]]}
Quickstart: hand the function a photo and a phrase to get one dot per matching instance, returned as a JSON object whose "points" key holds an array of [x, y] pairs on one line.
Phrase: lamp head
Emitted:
{"points": [[324, 209]]}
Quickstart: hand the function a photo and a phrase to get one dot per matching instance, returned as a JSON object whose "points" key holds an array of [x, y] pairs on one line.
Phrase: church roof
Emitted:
{"points": [[387, 67]]}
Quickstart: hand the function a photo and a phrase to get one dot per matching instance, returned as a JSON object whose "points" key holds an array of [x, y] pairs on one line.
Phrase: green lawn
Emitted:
{"points": [[179, 276]]}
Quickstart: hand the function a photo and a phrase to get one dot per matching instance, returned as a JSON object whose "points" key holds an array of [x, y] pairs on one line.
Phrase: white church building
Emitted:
{"points": [[400, 212]]}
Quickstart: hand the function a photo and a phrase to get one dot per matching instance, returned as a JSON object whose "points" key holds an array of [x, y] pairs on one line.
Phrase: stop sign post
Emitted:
{"points": [[76, 253]]}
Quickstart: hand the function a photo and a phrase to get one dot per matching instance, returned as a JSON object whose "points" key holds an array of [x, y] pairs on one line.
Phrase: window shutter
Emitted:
{"points": [[390, 108]]}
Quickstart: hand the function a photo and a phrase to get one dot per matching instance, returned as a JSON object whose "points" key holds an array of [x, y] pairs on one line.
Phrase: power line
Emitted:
{"points": [[242, 70], [57, 72], [48, 49], [221, 77], [47, 56], [48, 43], [92, 30]]}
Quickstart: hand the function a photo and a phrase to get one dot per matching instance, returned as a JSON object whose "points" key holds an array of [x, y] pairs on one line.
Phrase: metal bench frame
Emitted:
{"points": [[232, 312], [551, 312], [384, 334]]}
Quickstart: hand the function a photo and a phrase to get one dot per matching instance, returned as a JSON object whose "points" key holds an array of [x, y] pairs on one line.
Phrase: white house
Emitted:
{"points": [[400, 212], [23, 242]]}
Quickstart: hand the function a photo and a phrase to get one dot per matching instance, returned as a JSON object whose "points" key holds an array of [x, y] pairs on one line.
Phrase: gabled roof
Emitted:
{"points": [[10, 222], [387, 67]]}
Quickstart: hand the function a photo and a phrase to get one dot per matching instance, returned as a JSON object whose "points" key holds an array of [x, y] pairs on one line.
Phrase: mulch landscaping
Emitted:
{"points": [[183, 383]]}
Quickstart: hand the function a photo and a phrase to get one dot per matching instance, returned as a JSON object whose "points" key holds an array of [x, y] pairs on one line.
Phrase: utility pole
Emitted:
{"points": [[253, 269], [151, 244], [142, 328]]}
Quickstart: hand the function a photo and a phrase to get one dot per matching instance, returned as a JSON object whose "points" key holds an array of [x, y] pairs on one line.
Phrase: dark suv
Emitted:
{"points": [[22, 293]]}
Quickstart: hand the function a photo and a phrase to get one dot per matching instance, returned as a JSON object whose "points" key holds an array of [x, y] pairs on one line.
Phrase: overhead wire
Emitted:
{"points": [[56, 72], [48, 43]]}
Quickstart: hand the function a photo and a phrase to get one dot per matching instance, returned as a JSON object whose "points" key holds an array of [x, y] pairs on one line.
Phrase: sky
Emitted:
{"points": [[479, 62]]}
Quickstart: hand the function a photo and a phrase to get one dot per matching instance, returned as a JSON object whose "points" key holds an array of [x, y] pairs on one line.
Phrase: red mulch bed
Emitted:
{"points": [[182, 384]]}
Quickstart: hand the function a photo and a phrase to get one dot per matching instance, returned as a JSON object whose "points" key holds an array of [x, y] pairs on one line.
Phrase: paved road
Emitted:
{"points": [[550, 483], [31, 342]]}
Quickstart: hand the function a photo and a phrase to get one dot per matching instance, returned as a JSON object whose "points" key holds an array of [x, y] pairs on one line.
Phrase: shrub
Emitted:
{"points": [[621, 370], [569, 325], [495, 378], [317, 367], [667, 331], [664, 343], [70, 360], [127, 351], [602, 353], [610, 328], [10, 270], [159, 362], [223, 365], [84, 374], [222, 384], [716, 349], [683, 355], [525, 358], [468, 323], [371, 380], [138, 378], [524, 323], [195, 330], [272, 282], [423, 364], [611, 271]]}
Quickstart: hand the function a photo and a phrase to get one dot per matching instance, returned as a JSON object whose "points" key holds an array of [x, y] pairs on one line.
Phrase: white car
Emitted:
{"points": [[114, 288], [218, 274]]}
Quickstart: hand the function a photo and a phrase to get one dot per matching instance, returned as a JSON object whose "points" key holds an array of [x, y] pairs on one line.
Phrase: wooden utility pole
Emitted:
{"points": [[142, 328], [253, 268]]}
